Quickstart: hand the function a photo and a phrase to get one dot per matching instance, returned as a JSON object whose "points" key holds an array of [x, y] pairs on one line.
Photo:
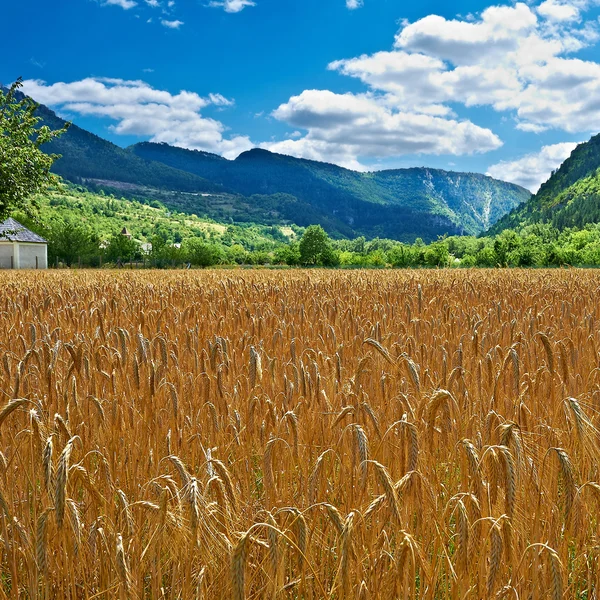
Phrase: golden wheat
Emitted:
{"points": [[300, 434]]}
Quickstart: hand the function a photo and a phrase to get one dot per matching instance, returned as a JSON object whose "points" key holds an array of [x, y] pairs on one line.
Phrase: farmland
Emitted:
{"points": [[300, 434]]}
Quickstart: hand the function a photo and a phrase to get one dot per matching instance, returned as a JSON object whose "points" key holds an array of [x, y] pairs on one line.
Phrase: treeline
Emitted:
{"points": [[533, 246]]}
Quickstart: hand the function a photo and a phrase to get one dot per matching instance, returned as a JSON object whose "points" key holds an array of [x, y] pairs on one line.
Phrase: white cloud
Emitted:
{"points": [[153, 3], [342, 127], [494, 35], [502, 33], [531, 170], [353, 4], [344, 156], [220, 100], [125, 4], [555, 10], [232, 6], [138, 109], [516, 59], [171, 24]]}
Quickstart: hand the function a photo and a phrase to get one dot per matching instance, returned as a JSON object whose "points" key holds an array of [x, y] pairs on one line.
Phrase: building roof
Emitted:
{"points": [[13, 231]]}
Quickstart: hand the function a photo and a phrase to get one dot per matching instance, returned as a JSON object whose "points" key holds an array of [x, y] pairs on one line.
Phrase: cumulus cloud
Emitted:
{"points": [[517, 59], [232, 6], [138, 109], [342, 127], [494, 35], [220, 100], [339, 154], [125, 4], [531, 170], [171, 24], [353, 4], [556, 10]]}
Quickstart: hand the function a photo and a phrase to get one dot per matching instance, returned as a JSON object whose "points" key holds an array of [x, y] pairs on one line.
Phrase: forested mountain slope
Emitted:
{"points": [[459, 201], [570, 198], [263, 187], [88, 156]]}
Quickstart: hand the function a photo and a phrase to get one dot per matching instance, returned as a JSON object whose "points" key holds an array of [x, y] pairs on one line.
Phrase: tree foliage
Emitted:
{"points": [[314, 245], [122, 249], [570, 197], [69, 242], [202, 254], [24, 168]]}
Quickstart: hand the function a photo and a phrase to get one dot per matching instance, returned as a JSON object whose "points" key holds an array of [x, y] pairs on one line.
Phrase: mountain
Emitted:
{"points": [[570, 198], [104, 216], [87, 156], [395, 203], [263, 187]]}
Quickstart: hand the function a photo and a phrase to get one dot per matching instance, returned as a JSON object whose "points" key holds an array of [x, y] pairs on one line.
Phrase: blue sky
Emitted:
{"points": [[504, 88]]}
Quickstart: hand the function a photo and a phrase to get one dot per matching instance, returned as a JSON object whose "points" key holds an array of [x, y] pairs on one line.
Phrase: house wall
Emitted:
{"points": [[28, 254], [6, 254]]}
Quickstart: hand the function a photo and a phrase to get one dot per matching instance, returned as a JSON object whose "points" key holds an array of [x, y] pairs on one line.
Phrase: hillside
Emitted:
{"points": [[86, 156], [105, 215], [397, 203], [570, 198], [273, 189]]}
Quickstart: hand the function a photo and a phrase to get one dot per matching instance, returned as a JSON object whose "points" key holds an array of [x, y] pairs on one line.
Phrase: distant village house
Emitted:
{"points": [[21, 248]]}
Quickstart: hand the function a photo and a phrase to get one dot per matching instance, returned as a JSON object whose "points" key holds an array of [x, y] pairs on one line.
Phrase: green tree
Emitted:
{"points": [[358, 245], [437, 254], [486, 257], [162, 253], [468, 261], [330, 257], [259, 257], [351, 259], [70, 241], [314, 245], [401, 256], [506, 246], [202, 254], [121, 248], [24, 168], [376, 258], [289, 254], [159, 244], [236, 254]]}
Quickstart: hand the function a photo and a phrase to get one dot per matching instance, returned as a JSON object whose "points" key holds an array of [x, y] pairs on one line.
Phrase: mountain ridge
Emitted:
{"points": [[83, 147], [402, 204], [569, 198], [467, 201]]}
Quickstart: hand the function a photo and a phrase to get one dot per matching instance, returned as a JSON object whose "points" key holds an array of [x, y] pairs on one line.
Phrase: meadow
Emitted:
{"points": [[300, 434]]}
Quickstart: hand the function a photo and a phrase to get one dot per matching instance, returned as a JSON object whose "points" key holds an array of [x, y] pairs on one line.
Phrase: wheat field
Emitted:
{"points": [[253, 434]]}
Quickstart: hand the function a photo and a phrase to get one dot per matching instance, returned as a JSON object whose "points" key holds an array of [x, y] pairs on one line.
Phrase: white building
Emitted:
{"points": [[21, 248]]}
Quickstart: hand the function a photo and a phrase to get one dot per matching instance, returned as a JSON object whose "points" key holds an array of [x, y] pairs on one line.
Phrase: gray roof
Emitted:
{"points": [[13, 231]]}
